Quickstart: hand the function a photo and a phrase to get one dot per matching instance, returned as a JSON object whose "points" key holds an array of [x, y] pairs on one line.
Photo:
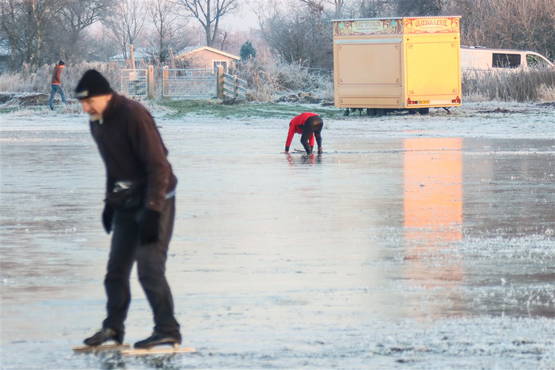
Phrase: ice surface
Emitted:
{"points": [[412, 242]]}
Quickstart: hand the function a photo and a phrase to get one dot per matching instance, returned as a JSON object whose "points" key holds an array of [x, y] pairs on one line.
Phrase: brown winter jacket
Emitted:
{"points": [[56, 76], [132, 150]]}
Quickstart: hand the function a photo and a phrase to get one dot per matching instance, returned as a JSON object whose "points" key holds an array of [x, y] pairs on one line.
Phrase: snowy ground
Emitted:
{"points": [[420, 242]]}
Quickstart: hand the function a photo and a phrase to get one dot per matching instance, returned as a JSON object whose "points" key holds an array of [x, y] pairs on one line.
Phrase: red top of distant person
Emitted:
{"points": [[296, 127]]}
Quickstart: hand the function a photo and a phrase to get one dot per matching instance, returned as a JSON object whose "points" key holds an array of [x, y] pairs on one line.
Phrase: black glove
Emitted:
{"points": [[150, 226], [107, 218]]}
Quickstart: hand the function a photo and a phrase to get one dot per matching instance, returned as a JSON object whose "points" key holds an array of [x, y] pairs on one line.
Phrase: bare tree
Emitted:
{"points": [[375, 8], [318, 6], [315, 6], [209, 13], [507, 24], [78, 15], [419, 7], [299, 36], [168, 29], [75, 16], [126, 23], [100, 45], [25, 24], [223, 39]]}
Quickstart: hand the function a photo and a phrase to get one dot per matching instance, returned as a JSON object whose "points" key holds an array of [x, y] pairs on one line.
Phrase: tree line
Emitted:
{"points": [[38, 32], [301, 32]]}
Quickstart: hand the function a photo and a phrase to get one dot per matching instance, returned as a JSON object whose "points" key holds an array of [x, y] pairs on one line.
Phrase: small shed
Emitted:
{"points": [[141, 55], [207, 57]]}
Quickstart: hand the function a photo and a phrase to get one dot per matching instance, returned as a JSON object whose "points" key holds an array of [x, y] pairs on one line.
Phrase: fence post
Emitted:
{"points": [[165, 78], [132, 57], [220, 79], [150, 82]]}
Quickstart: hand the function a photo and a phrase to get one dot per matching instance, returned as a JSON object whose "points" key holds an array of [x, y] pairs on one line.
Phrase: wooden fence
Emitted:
{"points": [[233, 88]]}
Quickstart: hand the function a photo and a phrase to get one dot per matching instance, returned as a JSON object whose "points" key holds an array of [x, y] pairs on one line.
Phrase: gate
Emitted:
{"points": [[134, 82], [233, 88], [189, 83]]}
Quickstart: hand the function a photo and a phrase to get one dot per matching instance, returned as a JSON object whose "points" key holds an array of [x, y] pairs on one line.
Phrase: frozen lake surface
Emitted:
{"points": [[422, 242]]}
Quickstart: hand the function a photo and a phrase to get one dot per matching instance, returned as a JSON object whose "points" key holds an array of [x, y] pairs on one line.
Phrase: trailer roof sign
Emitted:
{"points": [[431, 25], [367, 27]]}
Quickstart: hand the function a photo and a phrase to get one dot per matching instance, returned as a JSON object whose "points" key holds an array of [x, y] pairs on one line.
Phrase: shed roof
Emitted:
{"points": [[193, 49], [139, 53]]}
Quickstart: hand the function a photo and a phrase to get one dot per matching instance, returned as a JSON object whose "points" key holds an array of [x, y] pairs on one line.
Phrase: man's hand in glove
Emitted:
{"points": [[107, 218], [150, 226]]}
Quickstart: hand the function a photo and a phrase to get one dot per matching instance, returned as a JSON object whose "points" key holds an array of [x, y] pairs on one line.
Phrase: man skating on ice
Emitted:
{"points": [[139, 208], [309, 125], [56, 84]]}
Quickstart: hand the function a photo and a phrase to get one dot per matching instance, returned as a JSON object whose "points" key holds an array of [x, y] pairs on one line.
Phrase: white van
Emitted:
{"points": [[480, 59]]}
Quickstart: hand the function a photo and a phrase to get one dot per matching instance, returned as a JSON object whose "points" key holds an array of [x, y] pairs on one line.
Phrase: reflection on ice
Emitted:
{"points": [[433, 216], [303, 159]]}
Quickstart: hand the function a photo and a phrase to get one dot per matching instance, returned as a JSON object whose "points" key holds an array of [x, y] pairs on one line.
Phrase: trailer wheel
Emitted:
{"points": [[380, 112], [370, 112], [347, 112], [423, 110], [412, 111]]}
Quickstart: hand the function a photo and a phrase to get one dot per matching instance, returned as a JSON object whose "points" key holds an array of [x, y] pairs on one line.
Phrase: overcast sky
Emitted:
{"points": [[244, 18]]}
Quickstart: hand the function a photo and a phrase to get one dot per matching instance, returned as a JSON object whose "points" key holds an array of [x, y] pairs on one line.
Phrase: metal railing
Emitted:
{"points": [[189, 83], [134, 82]]}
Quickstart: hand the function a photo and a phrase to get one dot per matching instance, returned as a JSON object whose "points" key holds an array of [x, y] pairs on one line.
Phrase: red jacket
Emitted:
{"points": [[295, 126], [56, 76]]}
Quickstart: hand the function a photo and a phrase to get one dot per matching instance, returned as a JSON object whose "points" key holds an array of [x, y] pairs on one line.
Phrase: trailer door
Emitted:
{"points": [[369, 63], [432, 69], [368, 73]]}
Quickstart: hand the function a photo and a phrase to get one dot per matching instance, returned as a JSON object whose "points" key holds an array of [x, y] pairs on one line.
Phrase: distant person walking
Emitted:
{"points": [[57, 84], [139, 208], [309, 125]]}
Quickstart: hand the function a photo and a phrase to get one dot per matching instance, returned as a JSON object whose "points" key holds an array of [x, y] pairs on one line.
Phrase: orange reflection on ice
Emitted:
{"points": [[433, 209]]}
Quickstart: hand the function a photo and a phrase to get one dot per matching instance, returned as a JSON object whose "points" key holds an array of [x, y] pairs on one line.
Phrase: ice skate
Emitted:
{"points": [[97, 342]]}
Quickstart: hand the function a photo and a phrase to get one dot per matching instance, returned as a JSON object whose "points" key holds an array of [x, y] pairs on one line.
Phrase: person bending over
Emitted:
{"points": [[309, 125]]}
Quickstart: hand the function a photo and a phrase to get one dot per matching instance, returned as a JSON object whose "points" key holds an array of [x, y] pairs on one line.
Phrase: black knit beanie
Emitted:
{"points": [[92, 84]]}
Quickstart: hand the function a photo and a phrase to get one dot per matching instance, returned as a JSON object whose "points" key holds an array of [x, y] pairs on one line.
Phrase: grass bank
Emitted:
{"points": [[263, 110], [519, 86]]}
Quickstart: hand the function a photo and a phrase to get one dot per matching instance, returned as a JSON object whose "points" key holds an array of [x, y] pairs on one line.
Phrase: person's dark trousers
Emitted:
{"points": [[151, 265]]}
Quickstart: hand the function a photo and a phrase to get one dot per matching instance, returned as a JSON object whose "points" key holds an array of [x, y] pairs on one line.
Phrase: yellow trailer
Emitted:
{"points": [[397, 63]]}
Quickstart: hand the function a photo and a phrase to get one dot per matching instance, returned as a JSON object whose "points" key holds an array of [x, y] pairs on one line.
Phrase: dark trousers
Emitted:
{"points": [[151, 258]]}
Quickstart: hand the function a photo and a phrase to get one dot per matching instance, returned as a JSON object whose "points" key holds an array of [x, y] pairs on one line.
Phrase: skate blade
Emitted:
{"points": [[157, 351], [101, 348]]}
